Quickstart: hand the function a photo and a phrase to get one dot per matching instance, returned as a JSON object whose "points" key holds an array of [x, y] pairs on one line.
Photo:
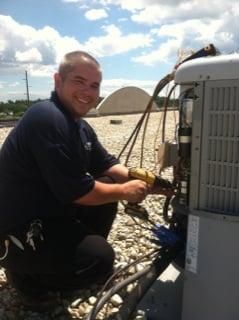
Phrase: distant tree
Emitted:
{"points": [[160, 101]]}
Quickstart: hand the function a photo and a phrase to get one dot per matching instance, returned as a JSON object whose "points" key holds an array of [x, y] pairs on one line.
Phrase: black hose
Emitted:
{"points": [[150, 276], [161, 84], [119, 272], [113, 290], [165, 210], [146, 277]]}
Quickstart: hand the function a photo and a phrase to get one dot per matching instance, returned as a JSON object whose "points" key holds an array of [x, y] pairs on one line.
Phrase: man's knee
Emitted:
{"points": [[97, 251], [98, 219]]}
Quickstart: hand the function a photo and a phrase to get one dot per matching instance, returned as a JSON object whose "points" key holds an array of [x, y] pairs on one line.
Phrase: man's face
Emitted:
{"points": [[79, 91]]}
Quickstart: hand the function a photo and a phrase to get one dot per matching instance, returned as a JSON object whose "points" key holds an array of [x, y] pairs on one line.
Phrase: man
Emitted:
{"points": [[55, 210]]}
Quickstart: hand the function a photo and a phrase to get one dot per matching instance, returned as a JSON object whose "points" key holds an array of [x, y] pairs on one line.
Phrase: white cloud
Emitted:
{"points": [[131, 5], [192, 34], [75, 1], [14, 84], [122, 19], [114, 42], [160, 11], [175, 24], [165, 51], [25, 47], [194, 22], [157, 14], [96, 14], [28, 55], [39, 51]]}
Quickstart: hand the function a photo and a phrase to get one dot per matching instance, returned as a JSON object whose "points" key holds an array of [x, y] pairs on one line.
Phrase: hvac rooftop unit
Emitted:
{"points": [[209, 98]]}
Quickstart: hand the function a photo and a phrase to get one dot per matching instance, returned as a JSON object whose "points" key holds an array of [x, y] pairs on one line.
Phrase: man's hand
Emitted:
{"points": [[135, 190], [131, 191]]}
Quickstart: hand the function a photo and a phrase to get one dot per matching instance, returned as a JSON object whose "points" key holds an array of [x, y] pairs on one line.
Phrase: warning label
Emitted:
{"points": [[192, 244]]}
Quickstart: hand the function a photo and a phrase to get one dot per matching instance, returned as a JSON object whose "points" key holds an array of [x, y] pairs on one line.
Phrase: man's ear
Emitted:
{"points": [[57, 80]]}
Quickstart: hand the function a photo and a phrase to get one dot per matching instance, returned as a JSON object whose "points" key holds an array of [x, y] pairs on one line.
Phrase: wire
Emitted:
{"points": [[6, 243], [161, 84], [168, 254], [165, 111], [142, 226], [143, 139], [159, 264], [101, 299], [131, 136], [165, 210], [115, 289], [155, 143]]}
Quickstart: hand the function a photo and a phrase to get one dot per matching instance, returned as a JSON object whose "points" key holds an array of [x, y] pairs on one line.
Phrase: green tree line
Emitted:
{"points": [[160, 101], [14, 109]]}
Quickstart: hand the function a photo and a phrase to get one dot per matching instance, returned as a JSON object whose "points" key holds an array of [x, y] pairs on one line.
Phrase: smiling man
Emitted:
{"points": [[78, 85], [59, 189]]}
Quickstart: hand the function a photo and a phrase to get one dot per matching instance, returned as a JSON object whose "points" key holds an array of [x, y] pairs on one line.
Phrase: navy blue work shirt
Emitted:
{"points": [[47, 161]]}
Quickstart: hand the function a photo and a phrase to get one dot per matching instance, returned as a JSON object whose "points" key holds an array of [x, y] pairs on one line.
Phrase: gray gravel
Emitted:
{"points": [[128, 239]]}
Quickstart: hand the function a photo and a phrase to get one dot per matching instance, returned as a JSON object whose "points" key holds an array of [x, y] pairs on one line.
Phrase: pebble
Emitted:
{"points": [[139, 267], [92, 300], [116, 300], [114, 310], [76, 302], [128, 239], [81, 310]]}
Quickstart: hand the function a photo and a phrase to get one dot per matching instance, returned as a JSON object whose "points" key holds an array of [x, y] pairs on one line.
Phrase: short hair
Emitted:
{"points": [[71, 59]]}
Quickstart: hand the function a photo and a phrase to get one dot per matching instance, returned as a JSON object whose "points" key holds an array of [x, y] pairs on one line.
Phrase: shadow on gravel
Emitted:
{"points": [[12, 309]]}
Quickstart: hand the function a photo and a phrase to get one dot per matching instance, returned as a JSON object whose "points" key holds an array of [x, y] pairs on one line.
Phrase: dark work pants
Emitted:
{"points": [[73, 254]]}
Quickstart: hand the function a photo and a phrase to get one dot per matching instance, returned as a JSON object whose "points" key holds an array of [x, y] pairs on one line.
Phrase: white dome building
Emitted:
{"points": [[126, 100]]}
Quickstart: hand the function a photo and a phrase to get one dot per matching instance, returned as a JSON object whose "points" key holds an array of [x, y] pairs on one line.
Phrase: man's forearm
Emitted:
{"points": [[119, 173], [132, 191], [102, 193]]}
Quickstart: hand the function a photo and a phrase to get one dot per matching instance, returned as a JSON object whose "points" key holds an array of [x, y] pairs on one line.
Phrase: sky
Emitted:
{"points": [[137, 42]]}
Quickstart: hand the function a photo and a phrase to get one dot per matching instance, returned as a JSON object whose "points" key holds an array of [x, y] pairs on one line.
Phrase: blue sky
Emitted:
{"points": [[137, 42]]}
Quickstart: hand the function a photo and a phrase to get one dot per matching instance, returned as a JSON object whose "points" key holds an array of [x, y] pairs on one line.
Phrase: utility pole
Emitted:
{"points": [[27, 88]]}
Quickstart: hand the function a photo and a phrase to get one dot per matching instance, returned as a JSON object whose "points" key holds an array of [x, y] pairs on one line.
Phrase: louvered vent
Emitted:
{"points": [[219, 185]]}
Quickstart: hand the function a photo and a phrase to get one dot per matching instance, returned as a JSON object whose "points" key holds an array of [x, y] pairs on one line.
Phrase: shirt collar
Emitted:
{"points": [[59, 105]]}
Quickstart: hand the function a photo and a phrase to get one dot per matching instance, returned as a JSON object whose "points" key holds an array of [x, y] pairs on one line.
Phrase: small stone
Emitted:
{"points": [[131, 270], [130, 287], [76, 303], [116, 300], [81, 310], [92, 300], [140, 312], [122, 237], [120, 265], [139, 267], [130, 222], [74, 313], [115, 310], [133, 253], [140, 318]]}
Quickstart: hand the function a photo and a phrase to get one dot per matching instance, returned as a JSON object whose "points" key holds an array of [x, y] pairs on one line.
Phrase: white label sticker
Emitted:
{"points": [[192, 244]]}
